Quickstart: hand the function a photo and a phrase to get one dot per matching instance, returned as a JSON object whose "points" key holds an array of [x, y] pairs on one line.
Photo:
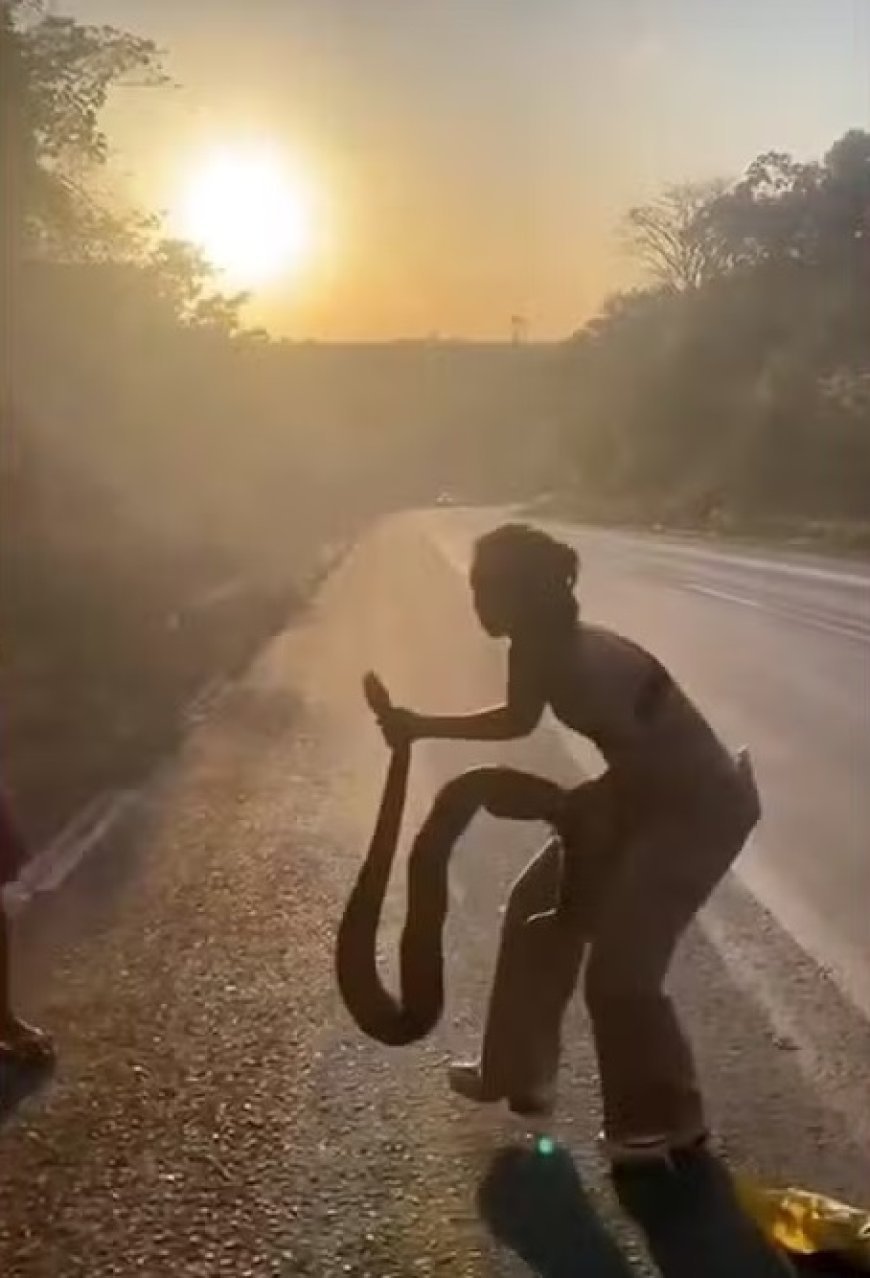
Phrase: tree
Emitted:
{"points": [[847, 189], [678, 245], [182, 279], [739, 378], [770, 215], [56, 77]]}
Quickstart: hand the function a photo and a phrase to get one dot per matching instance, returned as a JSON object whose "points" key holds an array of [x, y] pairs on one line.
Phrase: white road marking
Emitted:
{"points": [[87, 832], [84, 835], [857, 632], [662, 546], [726, 595]]}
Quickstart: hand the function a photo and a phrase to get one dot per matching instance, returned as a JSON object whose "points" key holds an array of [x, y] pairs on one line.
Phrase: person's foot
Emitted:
{"points": [[24, 1044], [537, 1103], [465, 1078], [632, 1151]]}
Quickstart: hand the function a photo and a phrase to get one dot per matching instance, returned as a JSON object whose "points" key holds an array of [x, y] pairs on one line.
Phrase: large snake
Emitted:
{"points": [[372, 1006], [502, 791]]}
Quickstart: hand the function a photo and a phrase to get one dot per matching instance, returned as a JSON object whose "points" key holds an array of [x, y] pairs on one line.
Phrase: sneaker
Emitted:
{"points": [[466, 1080], [23, 1044]]}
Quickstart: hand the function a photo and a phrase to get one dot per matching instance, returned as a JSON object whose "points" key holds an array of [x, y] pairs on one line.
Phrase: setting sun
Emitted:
{"points": [[249, 214]]}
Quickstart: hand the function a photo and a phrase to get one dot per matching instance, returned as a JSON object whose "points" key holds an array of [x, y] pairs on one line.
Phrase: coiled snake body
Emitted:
{"points": [[501, 791], [375, 1010]]}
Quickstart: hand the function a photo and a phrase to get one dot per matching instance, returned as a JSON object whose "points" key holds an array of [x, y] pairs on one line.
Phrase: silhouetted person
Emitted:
{"points": [[19, 1042], [640, 849]]}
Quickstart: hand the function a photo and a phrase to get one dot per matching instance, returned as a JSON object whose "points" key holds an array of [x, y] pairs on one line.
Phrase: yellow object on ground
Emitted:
{"points": [[805, 1224]]}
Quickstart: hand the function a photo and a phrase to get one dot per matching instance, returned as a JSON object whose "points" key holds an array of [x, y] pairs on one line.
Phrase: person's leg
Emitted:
{"points": [[515, 795], [17, 1038], [5, 980], [509, 1037], [649, 1086], [539, 960], [650, 1090], [519, 1057]]}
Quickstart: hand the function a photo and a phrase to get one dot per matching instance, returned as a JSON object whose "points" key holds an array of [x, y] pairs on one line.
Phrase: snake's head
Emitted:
{"points": [[376, 695]]}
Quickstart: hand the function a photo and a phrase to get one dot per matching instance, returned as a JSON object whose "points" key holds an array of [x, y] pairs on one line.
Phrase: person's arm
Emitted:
{"points": [[498, 723], [517, 717]]}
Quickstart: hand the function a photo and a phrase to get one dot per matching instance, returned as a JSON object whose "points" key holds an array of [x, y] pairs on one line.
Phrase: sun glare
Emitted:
{"points": [[249, 214]]}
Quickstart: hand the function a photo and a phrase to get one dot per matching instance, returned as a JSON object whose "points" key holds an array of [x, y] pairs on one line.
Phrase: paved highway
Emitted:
{"points": [[214, 1110]]}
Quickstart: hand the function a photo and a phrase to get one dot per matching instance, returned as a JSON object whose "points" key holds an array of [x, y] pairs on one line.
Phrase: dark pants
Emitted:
{"points": [[643, 889]]}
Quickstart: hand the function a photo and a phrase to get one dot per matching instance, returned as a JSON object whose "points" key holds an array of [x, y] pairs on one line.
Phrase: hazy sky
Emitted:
{"points": [[473, 157]]}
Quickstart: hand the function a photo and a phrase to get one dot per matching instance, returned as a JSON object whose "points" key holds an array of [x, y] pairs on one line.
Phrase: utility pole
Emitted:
{"points": [[519, 329]]}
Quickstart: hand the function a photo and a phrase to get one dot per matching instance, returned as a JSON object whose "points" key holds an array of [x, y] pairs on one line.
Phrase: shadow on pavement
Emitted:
{"points": [[17, 1082], [694, 1227], [826, 1267], [536, 1205], [693, 1223]]}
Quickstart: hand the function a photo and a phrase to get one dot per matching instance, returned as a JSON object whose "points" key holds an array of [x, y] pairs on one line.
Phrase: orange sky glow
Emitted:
{"points": [[463, 162]]}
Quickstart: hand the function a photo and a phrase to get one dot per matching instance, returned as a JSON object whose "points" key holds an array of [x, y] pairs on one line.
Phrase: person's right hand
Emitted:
{"points": [[399, 727], [396, 723]]}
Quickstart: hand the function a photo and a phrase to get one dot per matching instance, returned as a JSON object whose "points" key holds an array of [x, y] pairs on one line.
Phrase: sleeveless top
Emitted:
{"points": [[613, 692]]}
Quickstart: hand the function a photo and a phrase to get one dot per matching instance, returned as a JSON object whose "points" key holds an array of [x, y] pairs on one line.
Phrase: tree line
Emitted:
{"points": [[736, 384]]}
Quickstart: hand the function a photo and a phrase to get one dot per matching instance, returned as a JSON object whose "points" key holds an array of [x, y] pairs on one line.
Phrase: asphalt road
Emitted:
{"points": [[214, 1111]]}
